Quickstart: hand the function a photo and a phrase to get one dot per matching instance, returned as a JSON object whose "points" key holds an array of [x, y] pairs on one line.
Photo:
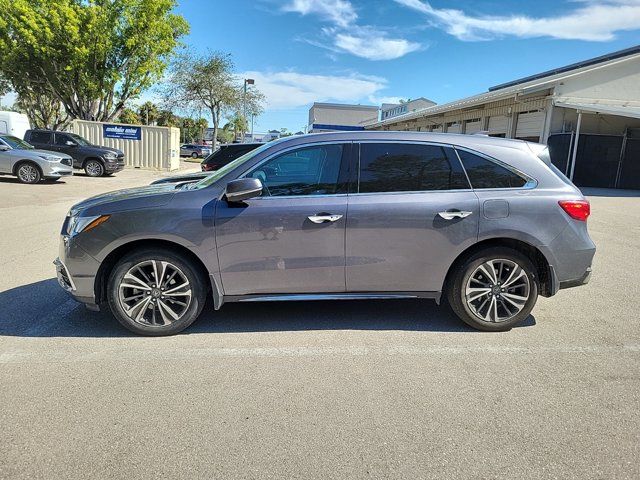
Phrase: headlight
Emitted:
{"points": [[110, 156], [49, 158], [77, 224]]}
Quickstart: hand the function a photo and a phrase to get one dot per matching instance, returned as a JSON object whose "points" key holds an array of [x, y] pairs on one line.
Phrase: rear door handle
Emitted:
{"points": [[324, 218], [454, 213]]}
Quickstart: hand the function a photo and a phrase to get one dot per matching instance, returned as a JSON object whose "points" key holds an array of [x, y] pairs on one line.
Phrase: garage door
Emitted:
{"points": [[473, 126], [498, 125], [455, 128], [530, 125]]}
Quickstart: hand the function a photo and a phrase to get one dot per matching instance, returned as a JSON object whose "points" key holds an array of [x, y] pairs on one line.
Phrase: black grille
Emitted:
{"points": [[66, 161]]}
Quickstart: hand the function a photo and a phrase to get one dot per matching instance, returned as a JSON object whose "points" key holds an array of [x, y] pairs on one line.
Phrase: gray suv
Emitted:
{"points": [[486, 224]]}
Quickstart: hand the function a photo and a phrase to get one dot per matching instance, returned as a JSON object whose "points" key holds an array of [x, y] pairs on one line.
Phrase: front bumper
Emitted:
{"points": [[113, 167], [57, 170], [76, 272]]}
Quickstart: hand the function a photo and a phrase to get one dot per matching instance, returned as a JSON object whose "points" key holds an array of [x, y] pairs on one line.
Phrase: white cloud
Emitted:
{"points": [[594, 21], [373, 45], [339, 12], [376, 100], [346, 36], [284, 90]]}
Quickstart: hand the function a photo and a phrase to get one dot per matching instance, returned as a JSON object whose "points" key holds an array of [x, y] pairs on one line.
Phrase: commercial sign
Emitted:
{"points": [[124, 132]]}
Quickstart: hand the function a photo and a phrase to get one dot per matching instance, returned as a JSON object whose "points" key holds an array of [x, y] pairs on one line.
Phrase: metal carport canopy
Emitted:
{"points": [[620, 110]]}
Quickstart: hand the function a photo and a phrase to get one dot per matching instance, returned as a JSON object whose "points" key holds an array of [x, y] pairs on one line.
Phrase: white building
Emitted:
{"points": [[331, 117], [391, 110], [588, 113]]}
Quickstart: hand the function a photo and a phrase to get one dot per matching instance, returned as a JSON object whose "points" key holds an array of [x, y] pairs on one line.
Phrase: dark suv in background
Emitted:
{"points": [[96, 160]]}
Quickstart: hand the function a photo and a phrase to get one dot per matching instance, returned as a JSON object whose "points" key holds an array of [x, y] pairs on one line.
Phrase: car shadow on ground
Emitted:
{"points": [[7, 179], [43, 309]]}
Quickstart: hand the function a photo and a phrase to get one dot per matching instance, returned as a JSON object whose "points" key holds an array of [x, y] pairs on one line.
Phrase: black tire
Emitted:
{"points": [[194, 155], [185, 266], [459, 279], [94, 168], [28, 172]]}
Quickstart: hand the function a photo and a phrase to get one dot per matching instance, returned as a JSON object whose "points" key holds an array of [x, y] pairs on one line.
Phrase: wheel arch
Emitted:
{"points": [[544, 271], [92, 157], [16, 165], [109, 262]]}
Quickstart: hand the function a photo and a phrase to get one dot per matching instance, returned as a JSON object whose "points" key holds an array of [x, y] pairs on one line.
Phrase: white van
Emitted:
{"points": [[14, 123]]}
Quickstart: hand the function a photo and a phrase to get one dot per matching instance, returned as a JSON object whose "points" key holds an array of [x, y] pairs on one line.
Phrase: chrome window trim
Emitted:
{"points": [[405, 192], [530, 182]]}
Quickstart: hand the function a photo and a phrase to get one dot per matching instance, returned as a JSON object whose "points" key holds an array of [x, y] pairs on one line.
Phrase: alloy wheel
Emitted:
{"points": [[94, 169], [28, 173], [497, 290], [154, 293]]}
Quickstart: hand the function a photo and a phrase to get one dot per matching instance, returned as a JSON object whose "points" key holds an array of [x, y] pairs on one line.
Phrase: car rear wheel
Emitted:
{"points": [[194, 155], [94, 168], [156, 292], [28, 172], [493, 290]]}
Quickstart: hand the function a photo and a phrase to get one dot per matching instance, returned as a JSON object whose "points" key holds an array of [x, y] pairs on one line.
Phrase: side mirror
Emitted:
{"points": [[69, 143], [4, 148], [243, 189]]}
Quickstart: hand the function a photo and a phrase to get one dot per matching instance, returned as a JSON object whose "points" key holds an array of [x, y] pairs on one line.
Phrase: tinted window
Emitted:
{"points": [[395, 167], [40, 137], [61, 139], [484, 173], [307, 171]]}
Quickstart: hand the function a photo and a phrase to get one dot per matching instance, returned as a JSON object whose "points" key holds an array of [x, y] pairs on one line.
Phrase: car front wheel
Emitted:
{"points": [[155, 292], [94, 168], [28, 173], [194, 155], [493, 290]]}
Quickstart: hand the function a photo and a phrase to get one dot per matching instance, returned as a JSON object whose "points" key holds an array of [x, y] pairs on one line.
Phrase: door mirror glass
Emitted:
{"points": [[243, 189]]}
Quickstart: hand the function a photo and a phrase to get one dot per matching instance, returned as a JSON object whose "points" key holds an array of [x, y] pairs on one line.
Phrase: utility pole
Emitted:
{"points": [[247, 81]]}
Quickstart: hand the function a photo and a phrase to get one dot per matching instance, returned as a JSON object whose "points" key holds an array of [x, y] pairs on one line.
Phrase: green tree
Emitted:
{"points": [[207, 81], [237, 125], [166, 118], [148, 113], [130, 116], [93, 56]]}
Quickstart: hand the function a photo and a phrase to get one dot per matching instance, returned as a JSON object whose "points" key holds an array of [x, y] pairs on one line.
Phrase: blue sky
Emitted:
{"points": [[369, 51]]}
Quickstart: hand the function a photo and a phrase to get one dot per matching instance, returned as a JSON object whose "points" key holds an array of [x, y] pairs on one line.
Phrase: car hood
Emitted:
{"points": [[99, 149], [127, 199], [36, 152], [50, 152]]}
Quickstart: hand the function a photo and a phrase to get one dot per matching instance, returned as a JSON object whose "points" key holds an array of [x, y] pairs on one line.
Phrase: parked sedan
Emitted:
{"points": [[488, 224], [194, 151], [20, 159]]}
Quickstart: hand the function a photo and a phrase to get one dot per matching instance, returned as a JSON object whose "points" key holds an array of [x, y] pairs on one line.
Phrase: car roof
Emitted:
{"points": [[407, 136]]}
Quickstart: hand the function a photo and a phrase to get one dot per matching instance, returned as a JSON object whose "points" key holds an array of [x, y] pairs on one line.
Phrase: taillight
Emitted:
{"points": [[576, 209]]}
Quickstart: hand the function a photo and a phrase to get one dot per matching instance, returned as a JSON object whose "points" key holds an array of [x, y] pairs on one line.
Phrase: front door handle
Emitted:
{"points": [[324, 218], [454, 213]]}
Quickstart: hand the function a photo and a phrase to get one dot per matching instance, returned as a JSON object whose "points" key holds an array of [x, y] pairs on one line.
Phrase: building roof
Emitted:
{"points": [[344, 105], [525, 85]]}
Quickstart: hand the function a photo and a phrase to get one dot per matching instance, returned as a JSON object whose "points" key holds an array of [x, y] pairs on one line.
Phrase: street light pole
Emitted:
{"points": [[247, 81]]}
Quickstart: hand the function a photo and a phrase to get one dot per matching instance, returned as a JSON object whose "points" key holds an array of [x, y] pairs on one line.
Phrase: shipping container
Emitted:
{"points": [[154, 148]]}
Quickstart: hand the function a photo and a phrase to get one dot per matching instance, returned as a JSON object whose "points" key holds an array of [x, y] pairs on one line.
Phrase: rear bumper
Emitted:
{"points": [[583, 280]]}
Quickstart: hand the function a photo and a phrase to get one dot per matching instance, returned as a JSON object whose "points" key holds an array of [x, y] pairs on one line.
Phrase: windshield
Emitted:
{"points": [[211, 179], [16, 143], [79, 140]]}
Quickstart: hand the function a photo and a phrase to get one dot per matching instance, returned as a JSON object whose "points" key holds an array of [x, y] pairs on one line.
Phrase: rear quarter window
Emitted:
{"points": [[484, 173]]}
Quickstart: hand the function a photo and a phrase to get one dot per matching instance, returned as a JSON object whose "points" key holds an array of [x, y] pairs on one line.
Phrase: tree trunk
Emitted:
{"points": [[215, 119]]}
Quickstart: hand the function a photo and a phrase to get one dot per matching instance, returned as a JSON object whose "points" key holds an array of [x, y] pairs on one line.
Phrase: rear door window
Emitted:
{"points": [[40, 137], [483, 173], [398, 167]]}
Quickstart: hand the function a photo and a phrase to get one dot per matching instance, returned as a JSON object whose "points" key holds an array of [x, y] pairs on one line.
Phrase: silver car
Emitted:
{"points": [[485, 224], [19, 158]]}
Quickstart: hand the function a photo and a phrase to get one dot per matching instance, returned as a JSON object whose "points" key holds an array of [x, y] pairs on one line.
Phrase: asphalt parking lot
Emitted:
{"points": [[395, 389]]}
